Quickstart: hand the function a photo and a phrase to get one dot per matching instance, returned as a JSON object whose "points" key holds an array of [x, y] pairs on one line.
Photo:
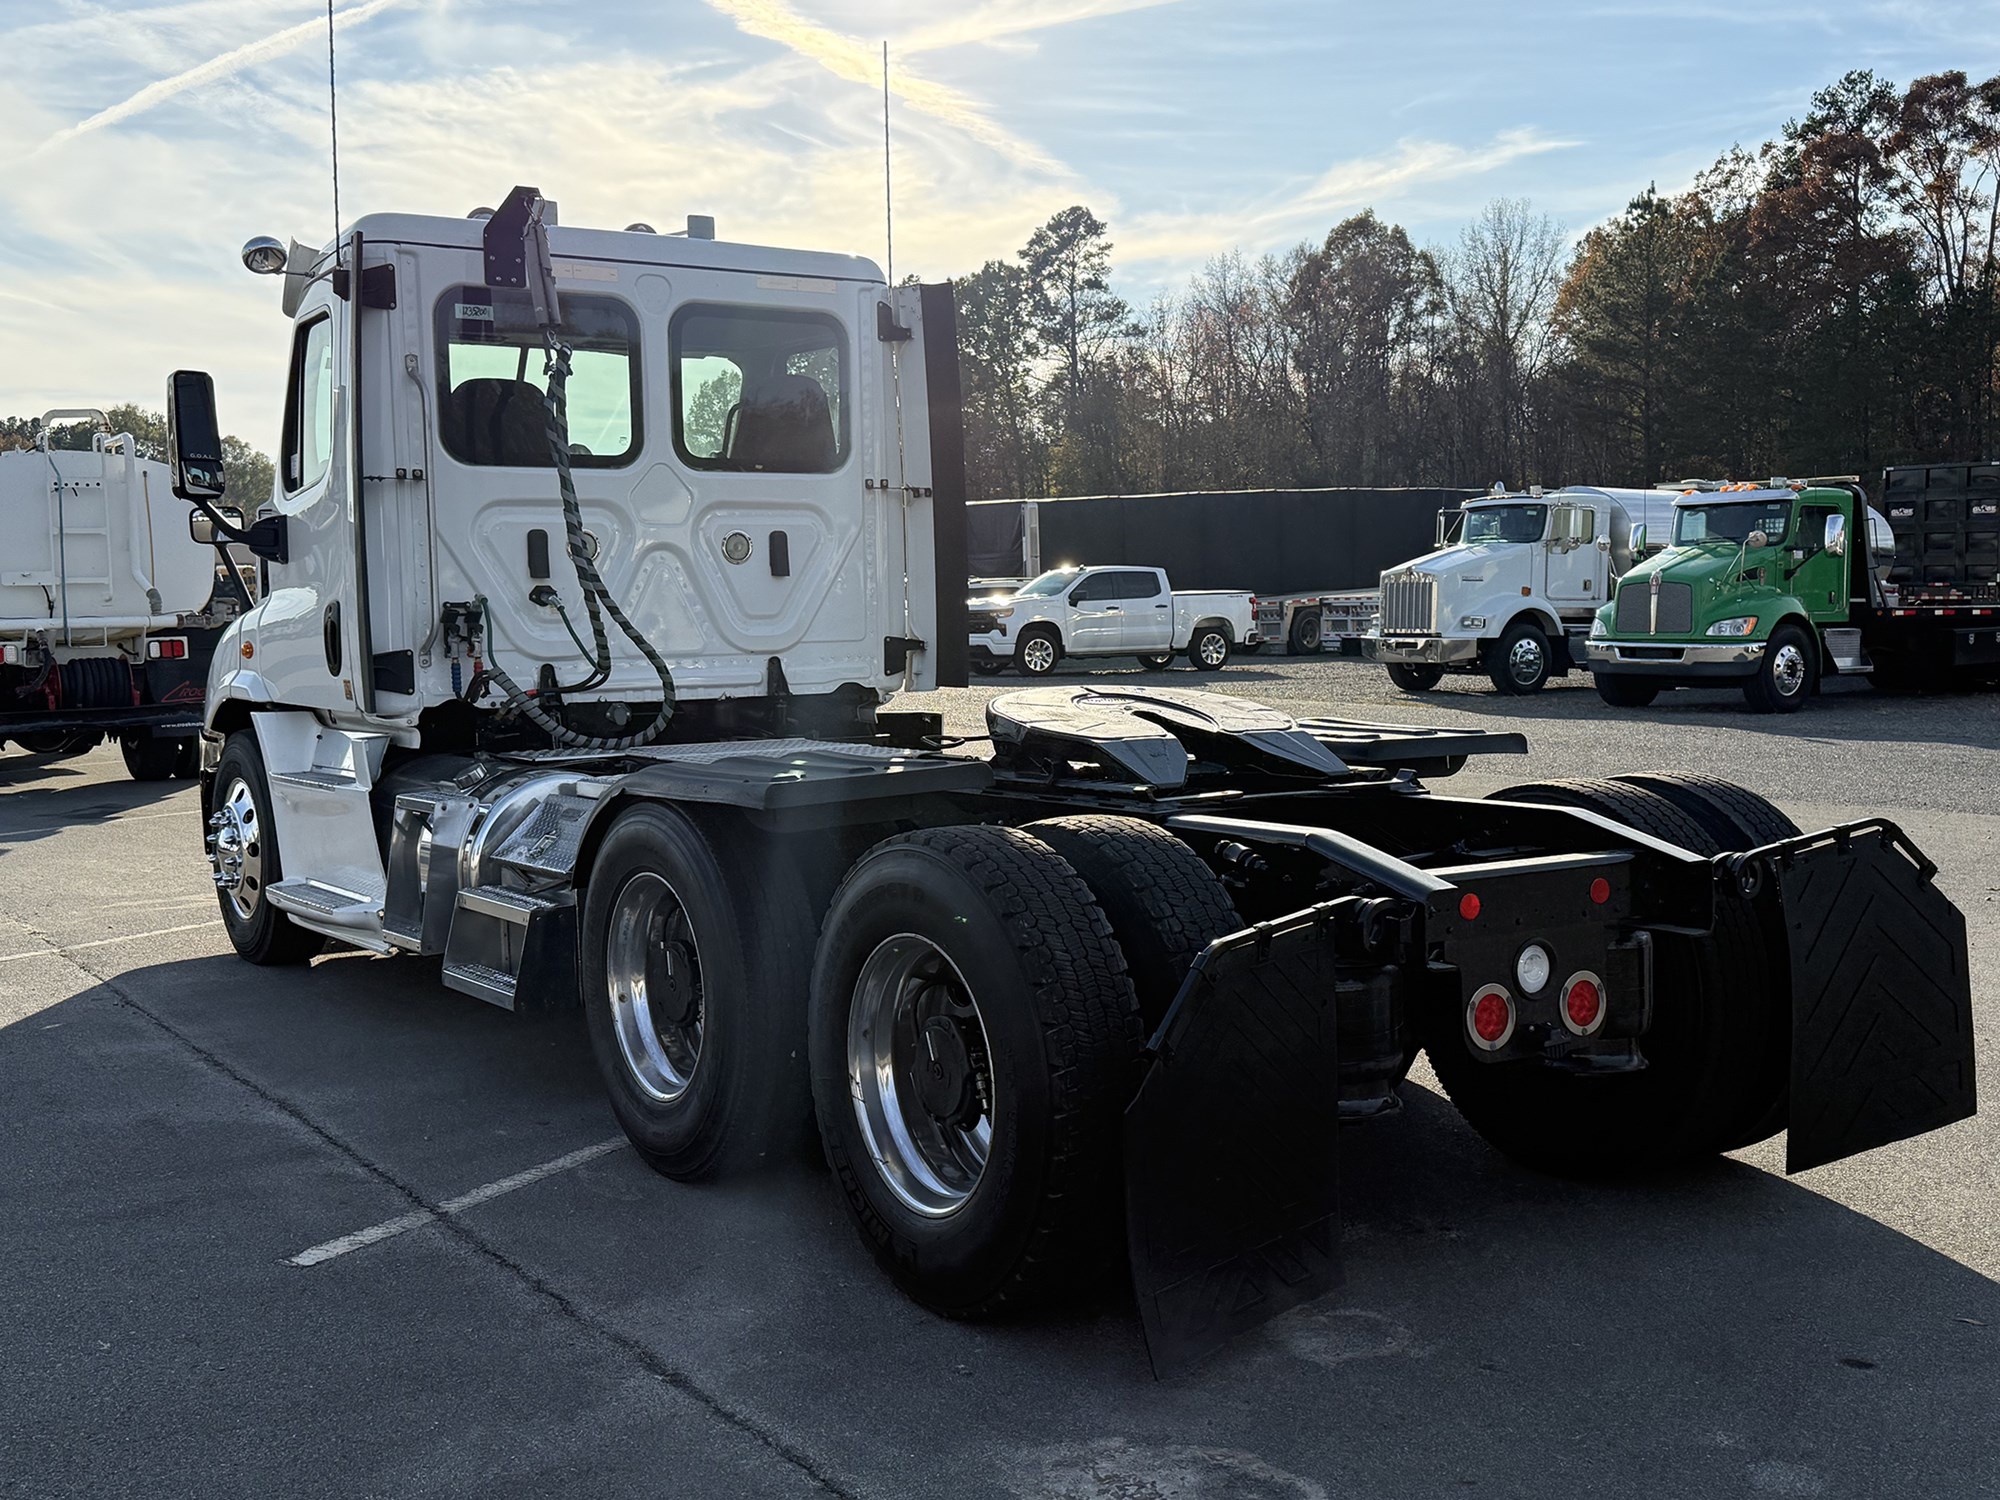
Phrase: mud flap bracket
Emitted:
{"points": [[1881, 990]]}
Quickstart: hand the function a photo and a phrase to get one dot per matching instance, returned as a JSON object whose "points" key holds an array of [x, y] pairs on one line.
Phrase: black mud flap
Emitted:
{"points": [[1881, 992], [1230, 1147]]}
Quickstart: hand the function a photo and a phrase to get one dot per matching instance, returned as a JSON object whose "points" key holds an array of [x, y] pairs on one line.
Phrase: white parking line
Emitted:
{"points": [[130, 937], [374, 1234]]}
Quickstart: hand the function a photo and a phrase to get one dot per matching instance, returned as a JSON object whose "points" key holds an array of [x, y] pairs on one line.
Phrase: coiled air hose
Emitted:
{"points": [[597, 598]]}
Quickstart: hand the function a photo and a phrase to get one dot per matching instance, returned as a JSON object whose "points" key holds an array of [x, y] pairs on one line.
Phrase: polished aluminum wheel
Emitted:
{"points": [[1524, 661], [652, 972], [1213, 648], [920, 1073], [1788, 670], [1038, 654], [236, 849]]}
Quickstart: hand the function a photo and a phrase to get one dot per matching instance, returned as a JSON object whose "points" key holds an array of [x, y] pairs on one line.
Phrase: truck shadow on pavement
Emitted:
{"points": [[1722, 1331]]}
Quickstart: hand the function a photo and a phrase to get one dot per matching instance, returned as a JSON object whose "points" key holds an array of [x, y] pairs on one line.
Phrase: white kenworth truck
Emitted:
{"points": [[109, 608], [1513, 586], [596, 560]]}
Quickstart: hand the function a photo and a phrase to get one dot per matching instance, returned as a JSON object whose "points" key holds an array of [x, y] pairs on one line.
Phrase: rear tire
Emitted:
{"points": [[59, 744], [1734, 816], [694, 963], [1520, 662], [1208, 649], [1159, 661], [1305, 638], [1788, 674], [245, 845], [1163, 903], [1017, 995], [1715, 1052], [1415, 679], [149, 757], [1626, 689]]}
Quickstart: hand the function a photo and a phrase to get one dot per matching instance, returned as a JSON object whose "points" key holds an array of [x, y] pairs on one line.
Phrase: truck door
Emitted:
{"points": [[311, 639], [1818, 577], [1575, 561], [1096, 616], [1149, 612]]}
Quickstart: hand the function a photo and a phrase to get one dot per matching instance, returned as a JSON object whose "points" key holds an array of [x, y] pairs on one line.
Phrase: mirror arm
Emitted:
{"points": [[268, 537]]}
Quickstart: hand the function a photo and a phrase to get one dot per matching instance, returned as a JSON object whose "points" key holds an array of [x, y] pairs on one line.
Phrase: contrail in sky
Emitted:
{"points": [[250, 53]]}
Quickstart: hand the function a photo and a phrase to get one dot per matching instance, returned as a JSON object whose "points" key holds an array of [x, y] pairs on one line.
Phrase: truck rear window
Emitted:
{"points": [[759, 389], [492, 377]]}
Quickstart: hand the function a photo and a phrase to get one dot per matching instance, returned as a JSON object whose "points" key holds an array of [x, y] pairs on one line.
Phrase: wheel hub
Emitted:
{"points": [[652, 971], [944, 1074], [235, 849], [1040, 654], [1788, 669], [1525, 660], [1213, 649]]}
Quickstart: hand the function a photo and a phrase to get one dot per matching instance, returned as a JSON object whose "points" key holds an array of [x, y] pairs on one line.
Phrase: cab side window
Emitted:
{"points": [[309, 407], [1138, 586]]}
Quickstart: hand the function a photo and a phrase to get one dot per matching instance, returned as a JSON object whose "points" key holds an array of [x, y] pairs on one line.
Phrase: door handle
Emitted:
{"points": [[330, 636], [1112, 609], [1159, 606]]}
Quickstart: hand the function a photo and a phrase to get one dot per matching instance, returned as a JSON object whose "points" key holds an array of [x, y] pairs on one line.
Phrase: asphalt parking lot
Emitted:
{"points": [[544, 1315]]}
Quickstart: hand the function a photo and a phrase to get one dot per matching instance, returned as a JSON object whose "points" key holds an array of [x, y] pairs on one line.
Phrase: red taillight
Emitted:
{"points": [[1490, 1018], [168, 648], [1583, 1003], [1600, 890], [1468, 906]]}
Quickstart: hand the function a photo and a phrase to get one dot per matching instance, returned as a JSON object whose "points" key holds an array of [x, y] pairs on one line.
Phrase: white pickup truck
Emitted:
{"points": [[1106, 611]]}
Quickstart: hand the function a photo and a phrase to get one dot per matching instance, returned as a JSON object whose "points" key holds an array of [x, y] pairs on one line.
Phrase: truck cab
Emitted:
{"points": [[1512, 587]]}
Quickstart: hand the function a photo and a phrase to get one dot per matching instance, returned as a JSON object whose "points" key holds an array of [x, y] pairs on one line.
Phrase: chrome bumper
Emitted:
{"points": [[1430, 650], [1666, 656]]}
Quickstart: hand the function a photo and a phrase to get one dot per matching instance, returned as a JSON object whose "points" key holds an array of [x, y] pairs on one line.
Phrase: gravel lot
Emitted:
{"points": [[176, 1126]]}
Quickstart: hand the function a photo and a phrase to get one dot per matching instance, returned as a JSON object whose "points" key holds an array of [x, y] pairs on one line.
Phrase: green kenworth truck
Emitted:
{"points": [[1774, 586]]}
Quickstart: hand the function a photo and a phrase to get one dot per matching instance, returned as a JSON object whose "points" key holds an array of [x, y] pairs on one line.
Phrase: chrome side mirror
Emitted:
{"points": [[1836, 535], [1756, 539]]}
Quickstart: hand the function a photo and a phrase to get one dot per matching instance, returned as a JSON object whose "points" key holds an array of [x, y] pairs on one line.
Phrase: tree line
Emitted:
{"points": [[1824, 303], [247, 471]]}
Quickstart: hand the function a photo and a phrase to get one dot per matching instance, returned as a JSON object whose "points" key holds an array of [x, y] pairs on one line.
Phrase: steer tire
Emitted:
{"points": [[257, 929], [1715, 1051], [1772, 690], [674, 894], [1163, 903], [1033, 662], [1521, 660], [1415, 679], [1049, 1053], [1626, 689], [149, 757]]}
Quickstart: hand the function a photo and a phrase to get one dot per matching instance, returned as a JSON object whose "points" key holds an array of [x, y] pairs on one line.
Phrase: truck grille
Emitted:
{"points": [[1409, 604], [981, 622], [1634, 612]]}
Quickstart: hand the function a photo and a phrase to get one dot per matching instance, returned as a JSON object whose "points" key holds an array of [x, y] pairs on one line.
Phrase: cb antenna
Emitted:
{"points": [[333, 124], [888, 196]]}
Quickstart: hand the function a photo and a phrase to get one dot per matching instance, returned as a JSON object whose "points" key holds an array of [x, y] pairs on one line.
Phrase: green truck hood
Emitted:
{"points": [[1710, 569]]}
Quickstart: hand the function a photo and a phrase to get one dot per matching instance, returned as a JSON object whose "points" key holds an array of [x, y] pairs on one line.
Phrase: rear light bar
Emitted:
{"points": [[167, 648]]}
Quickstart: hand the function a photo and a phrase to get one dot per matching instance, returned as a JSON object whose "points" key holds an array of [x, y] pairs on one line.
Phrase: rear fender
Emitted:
{"points": [[1881, 988]]}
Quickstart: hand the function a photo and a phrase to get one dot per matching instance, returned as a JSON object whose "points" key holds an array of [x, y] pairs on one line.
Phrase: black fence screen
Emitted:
{"points": [[1265, 541]]}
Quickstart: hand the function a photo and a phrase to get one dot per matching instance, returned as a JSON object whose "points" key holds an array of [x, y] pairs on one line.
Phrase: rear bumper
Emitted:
{"points": [[1675, 658], [1419, 650]]}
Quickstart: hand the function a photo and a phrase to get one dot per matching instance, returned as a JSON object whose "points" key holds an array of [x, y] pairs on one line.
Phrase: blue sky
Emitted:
{"points": [[148, 140]]}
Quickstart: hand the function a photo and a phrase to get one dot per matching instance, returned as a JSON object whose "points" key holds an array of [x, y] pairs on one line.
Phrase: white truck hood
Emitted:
{"points": [[1479, 563]]}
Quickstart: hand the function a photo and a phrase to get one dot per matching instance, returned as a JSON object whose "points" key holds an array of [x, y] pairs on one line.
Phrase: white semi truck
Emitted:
{"points": [[109, 607], [1513, 585], [1120, 975]]}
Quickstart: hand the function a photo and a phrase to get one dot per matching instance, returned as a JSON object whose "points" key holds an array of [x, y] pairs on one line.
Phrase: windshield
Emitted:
{"points": [[1505, 523], [1053, 582], [1727, 522]]}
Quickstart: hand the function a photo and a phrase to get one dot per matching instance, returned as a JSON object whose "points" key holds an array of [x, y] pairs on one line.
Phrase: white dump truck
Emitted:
{"points": [[1513, 585], [1114, 978], [109, 607]]}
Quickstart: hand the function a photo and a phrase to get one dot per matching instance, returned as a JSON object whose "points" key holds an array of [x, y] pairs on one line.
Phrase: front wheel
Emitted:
{"points": [[1038, 652], [1519, 661], [1626, 689], [973, 1039], [694, 954], [1786, 676], [1208, 651], [1415, 679], [149, 757], [243, 858]]}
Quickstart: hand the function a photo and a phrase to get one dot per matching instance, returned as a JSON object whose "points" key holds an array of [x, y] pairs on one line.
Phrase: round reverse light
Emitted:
{"points": [[1533, 968], [736, 546], [1489, 1018]]}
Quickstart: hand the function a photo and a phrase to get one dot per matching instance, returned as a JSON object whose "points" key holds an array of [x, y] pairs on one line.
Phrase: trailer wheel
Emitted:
{"points": [[150, 757], [1159, 661], [1715, 1052], [243, 854], [1787, 675], [973, 1042], [1208, 648], [1038, 651], [1415, 679], [1519, 662], [1304, 639], [694, 957], [1163, 903], [1626, 689]]}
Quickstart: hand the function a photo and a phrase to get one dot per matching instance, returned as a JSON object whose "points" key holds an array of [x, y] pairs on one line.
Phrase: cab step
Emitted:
{"points": [[513, 948]]}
